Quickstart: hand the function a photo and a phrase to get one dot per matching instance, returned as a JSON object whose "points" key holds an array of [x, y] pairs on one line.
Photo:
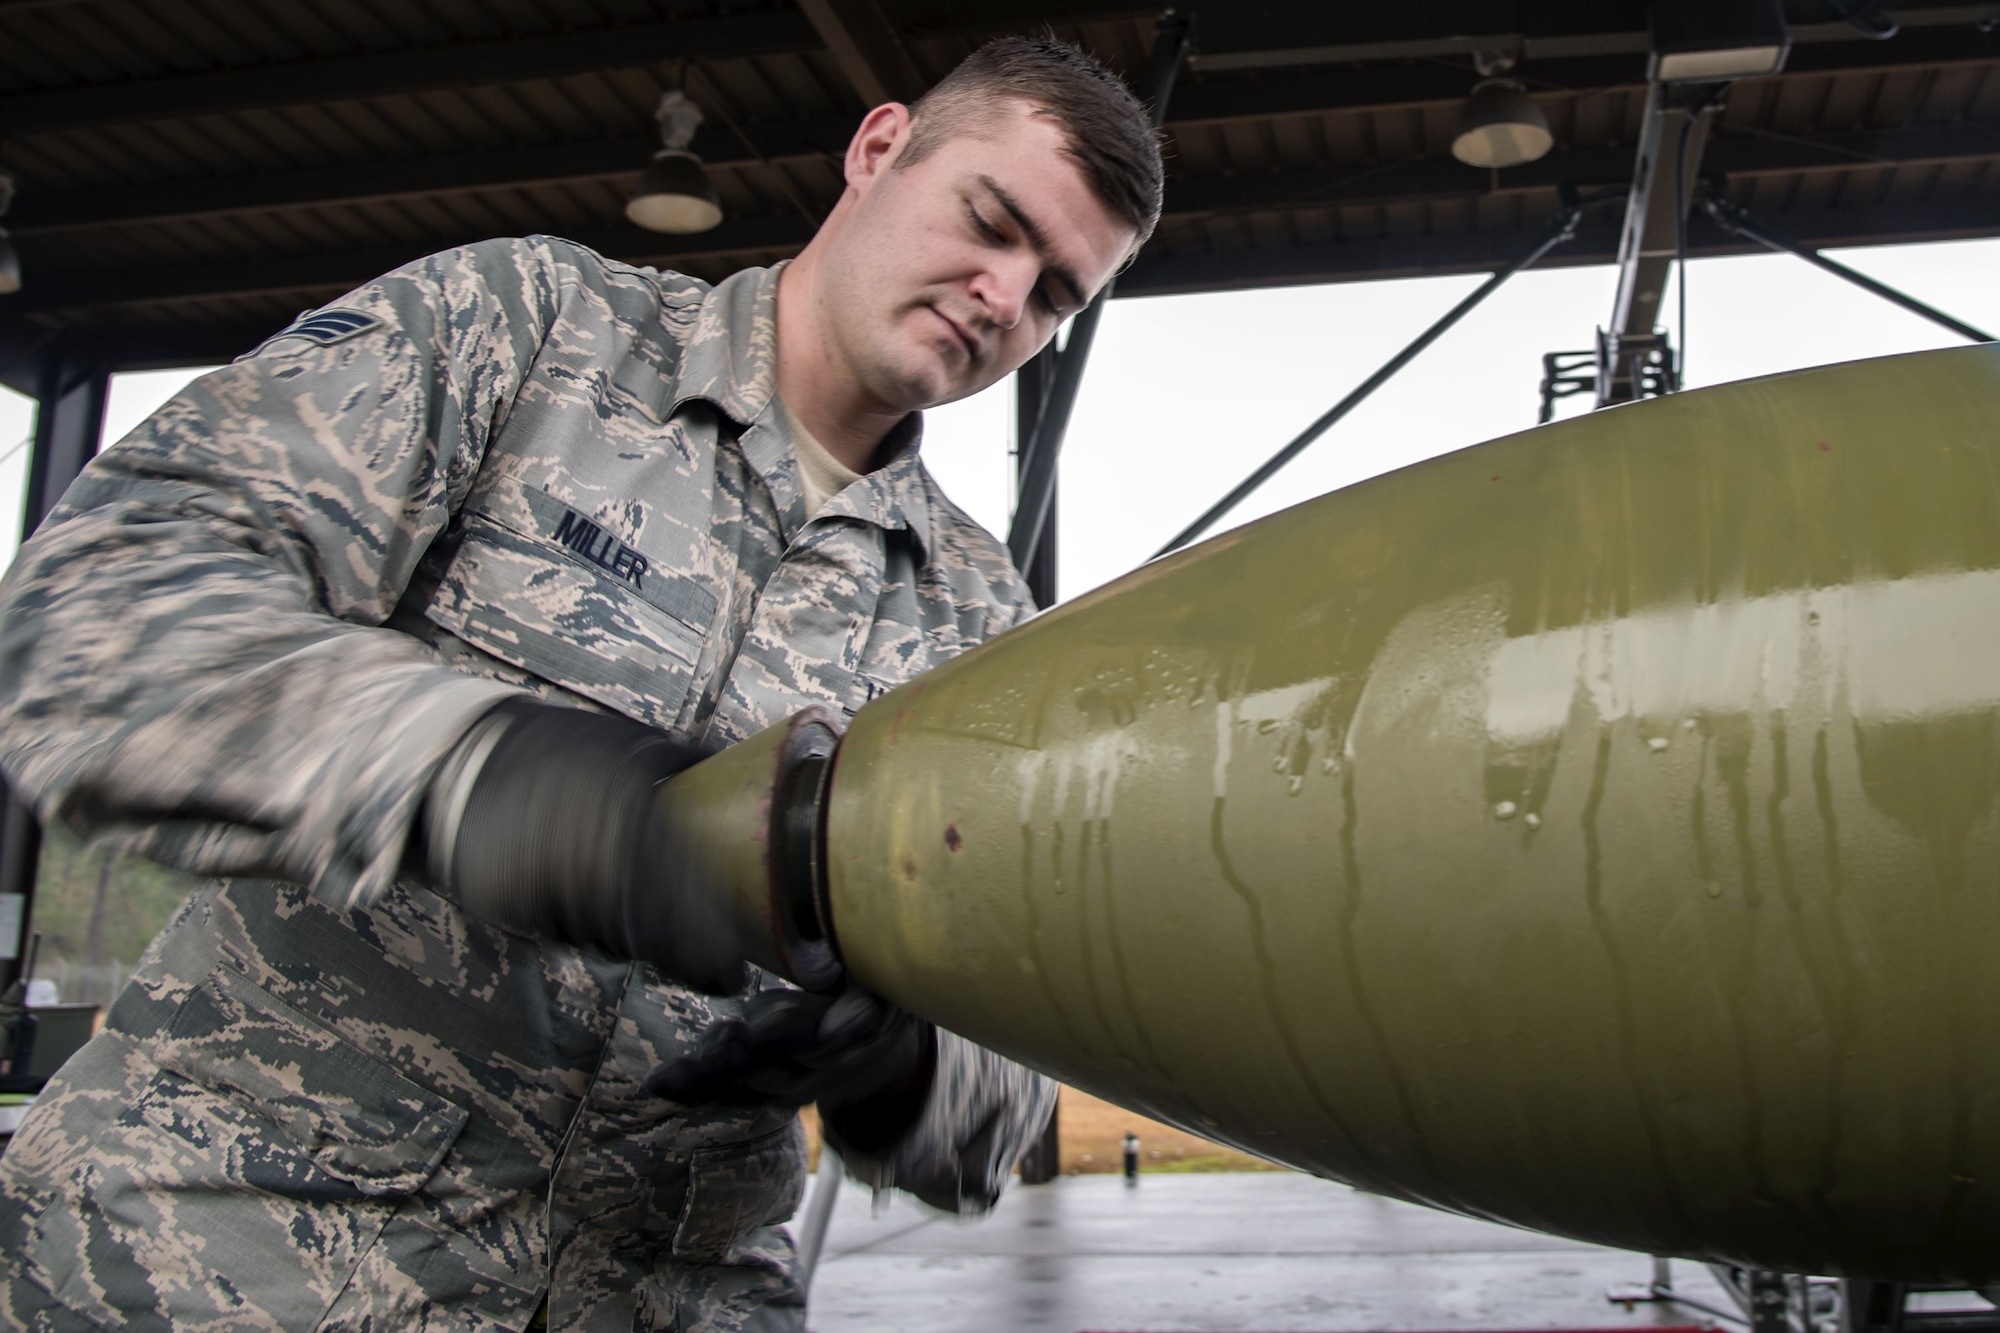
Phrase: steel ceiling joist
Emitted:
{"points": [[523, 167], [1190, 202], [867, 48], [1266, 37], [1289, 172], [773, 30], [345, 269], [825, 137], [1482, 251], [416, 70]]}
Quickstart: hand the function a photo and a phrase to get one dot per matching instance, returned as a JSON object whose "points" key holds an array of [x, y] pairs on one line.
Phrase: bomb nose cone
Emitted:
{"points": [[1594, 830]]}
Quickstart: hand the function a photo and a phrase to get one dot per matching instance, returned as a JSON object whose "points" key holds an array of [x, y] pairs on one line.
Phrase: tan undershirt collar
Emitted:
{"points": [[821, 475]]}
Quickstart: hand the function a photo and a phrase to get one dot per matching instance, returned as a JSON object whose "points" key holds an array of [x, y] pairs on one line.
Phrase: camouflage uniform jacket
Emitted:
{"points": [[242, 644]]}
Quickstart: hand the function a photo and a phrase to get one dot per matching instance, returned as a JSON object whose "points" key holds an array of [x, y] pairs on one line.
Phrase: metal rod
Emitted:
{"points": [[819, 1212], [1172, 35], [1561, 230], [1032, 383], [69, 417], [1732, 218], [1038, 477]]}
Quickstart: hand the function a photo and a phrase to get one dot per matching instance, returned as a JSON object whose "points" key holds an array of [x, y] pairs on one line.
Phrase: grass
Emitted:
{"points": [[1093, 1141]]}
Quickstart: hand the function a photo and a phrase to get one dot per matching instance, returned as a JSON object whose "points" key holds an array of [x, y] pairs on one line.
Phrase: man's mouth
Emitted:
{"points": [[966, 341]]}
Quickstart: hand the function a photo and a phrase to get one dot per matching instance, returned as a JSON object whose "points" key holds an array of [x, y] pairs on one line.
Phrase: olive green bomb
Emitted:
{"points": [[1594, 830]]}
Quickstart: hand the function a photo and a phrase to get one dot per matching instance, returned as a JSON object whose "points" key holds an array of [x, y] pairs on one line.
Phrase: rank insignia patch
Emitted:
{"points": [[326, 327]]}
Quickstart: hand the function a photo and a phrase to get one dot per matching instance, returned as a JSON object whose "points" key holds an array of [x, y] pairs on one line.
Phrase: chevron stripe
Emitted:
{"points": [[330, 326]]}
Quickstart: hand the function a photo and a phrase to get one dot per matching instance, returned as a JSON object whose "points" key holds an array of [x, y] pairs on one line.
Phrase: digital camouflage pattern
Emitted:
{"points": [[242, 644]]}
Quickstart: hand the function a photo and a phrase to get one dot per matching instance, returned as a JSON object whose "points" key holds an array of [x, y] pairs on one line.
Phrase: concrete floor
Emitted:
{"points": [[1213, 1253]]}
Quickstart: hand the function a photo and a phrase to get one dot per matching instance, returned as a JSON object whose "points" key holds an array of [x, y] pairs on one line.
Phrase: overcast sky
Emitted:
{"points": [[1186, 394]]}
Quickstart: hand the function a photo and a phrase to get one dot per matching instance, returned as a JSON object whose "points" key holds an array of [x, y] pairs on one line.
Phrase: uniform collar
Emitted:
{"points": [[730, 360], [730, 356], [894, 495]]}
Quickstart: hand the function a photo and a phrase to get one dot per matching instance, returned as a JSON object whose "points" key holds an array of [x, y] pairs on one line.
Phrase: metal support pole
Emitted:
{"points": [[819, 1213], [1562, 229], [1732, 218], [1032, 384], [68, 420], [1171, 37], [1670, 147]]}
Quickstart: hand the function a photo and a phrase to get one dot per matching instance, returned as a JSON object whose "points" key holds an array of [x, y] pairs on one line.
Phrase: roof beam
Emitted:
{"points": [[826, 137], [1393, 87], [555, 55], [521, 167], [867, 48], [419, 70], [73, 289], [1485, 251], [1276, 36], [549, 55], [1436, 179], [1188, 201]]}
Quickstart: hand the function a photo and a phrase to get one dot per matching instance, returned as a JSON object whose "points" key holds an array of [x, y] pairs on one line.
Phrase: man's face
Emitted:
{"points": [[956, 270]]}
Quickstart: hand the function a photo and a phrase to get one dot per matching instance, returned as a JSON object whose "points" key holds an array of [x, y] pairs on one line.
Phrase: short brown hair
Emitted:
{"points": [[1109, 132]]}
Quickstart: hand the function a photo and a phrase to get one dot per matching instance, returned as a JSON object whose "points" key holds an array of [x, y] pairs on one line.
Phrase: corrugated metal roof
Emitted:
{"points": [[192, 172]]}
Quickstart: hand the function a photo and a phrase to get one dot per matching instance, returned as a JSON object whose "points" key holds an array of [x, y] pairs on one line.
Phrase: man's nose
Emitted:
{"points": [[1005, 287]]}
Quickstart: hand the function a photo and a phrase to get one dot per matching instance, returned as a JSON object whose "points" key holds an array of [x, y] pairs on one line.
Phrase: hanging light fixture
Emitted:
{"points": [[1500, 126], [675, 194], [10, 259]]}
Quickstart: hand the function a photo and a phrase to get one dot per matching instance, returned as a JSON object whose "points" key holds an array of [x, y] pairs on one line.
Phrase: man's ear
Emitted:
{"points": [[877, 144]]}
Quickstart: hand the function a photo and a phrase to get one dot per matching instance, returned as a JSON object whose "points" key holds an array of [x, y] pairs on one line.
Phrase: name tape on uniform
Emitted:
{"points": [[591, 543]]}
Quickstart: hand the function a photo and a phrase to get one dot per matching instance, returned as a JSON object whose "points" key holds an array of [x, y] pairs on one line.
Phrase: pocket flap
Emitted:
{"points": [[736, 1188], [359, 1120], [532, 603]]}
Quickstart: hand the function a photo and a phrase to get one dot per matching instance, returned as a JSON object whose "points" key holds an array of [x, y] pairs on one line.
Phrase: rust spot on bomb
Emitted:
{"points": [[952, 837], [906, 865]]}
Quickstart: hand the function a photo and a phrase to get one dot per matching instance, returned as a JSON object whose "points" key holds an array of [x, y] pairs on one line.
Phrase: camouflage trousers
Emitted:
{"points": [[390, 1118]]}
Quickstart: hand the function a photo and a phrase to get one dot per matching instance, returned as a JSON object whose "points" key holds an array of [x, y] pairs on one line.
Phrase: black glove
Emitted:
{"points": [[544, 819], [867, 1063]]}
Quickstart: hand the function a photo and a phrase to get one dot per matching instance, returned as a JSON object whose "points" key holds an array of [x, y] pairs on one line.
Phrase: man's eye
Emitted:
{"points": [[986, 228], [1049, 303]]}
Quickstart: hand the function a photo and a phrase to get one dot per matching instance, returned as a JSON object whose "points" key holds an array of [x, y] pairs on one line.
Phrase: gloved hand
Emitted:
{"points": [[867, 1063], [543, 818]]}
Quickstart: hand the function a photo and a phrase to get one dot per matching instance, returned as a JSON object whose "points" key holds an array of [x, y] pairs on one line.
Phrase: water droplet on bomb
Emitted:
{"points": [[1658, 743], [1714, 889], [1504, 810], [1296, 785], [1278, 764], [1534, 820], [1267, 726], [1688, 725]]}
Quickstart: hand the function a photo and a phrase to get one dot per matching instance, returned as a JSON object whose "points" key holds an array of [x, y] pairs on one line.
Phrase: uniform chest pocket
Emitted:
{"points": [[578, 609]]}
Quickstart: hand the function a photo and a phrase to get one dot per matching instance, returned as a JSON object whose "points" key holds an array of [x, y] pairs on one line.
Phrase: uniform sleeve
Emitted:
{"points": [[983, 1114], [193, 663]]}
